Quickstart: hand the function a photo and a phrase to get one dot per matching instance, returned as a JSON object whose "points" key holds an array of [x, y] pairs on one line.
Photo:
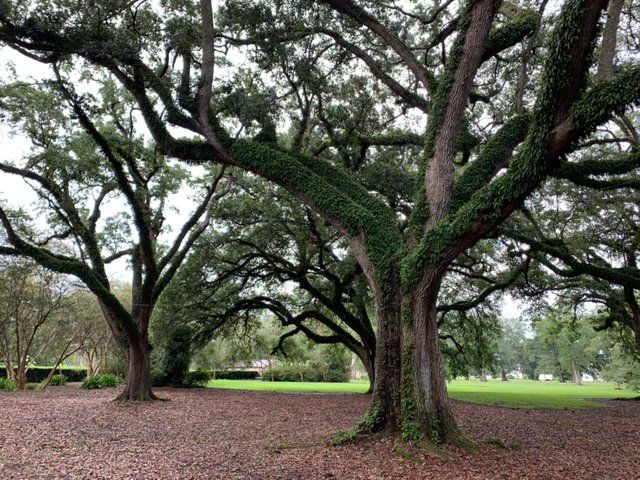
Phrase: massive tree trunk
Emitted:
{"points": [[385, 414], [139, 372], [432, 415], [410, 395]]}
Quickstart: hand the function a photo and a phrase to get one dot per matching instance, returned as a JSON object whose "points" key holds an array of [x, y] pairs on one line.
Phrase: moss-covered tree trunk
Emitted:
{"points": [[410, 394], [388, 362], [426, 411], [433, 412]]}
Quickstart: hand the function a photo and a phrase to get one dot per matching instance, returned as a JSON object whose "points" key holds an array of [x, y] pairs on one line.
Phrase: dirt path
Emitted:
{"points": [[67, 433]]}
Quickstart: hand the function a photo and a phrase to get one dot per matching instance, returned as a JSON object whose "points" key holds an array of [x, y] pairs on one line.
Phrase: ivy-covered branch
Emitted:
{"points": [[552, 134], [71, 266], [514, 31], [621, 164], [68, 213]]}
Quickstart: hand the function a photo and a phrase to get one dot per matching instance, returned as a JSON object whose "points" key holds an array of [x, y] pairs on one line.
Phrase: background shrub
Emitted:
{"points": [[102, 381], [58, 380], [235, 375], [309, 373], [197, 378], [38, 374], [7, 385], [177, 359], [110, 380]]}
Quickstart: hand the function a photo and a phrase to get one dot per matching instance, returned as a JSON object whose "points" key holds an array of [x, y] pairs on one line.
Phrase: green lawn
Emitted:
{"points": [[529, 394], [309, 387], [514, 394]]}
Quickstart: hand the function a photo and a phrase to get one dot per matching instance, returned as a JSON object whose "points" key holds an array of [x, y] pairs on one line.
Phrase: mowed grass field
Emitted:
{"points": [[524, 394], [294, 387], [529, 394]]}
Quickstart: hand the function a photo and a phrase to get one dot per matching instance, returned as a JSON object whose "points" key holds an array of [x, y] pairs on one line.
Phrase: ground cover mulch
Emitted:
{"points": [[68, 433]]}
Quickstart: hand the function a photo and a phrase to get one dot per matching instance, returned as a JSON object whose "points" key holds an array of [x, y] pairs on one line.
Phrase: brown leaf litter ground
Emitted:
{"points": [[68, 433]]}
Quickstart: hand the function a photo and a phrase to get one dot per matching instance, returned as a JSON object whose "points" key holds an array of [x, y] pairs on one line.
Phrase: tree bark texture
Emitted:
{"points": [[388, 361], [138, 386], [410, 388], [608, 47], [576, 377], [433, 411]]}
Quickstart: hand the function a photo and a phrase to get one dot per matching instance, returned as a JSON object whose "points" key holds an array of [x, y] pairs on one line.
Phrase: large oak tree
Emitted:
{"points": [[432, 67], [76, 168]]}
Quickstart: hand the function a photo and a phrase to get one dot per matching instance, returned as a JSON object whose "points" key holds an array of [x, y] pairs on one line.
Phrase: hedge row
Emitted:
{"points": [[309, 374], [235, 375], [38, 374]]}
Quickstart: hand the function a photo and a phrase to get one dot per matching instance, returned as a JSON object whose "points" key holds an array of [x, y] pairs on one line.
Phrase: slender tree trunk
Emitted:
{"points": [[367, 362], [11, 373], [503, 375], [577, 378], [483, 376], [139, 372], [89, 360], [21, 375]]}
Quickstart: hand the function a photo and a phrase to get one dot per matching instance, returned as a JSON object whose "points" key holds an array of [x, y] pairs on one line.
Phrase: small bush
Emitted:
{"points": [[634, 384], [58, 381], [197, 378], [37, 374], [7, 385], [110, 380], [91, 383], [158, 378], [102, 381]]}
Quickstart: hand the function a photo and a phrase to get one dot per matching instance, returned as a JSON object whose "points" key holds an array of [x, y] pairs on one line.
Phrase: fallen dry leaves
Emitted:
{"points": [[68, 433]]}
